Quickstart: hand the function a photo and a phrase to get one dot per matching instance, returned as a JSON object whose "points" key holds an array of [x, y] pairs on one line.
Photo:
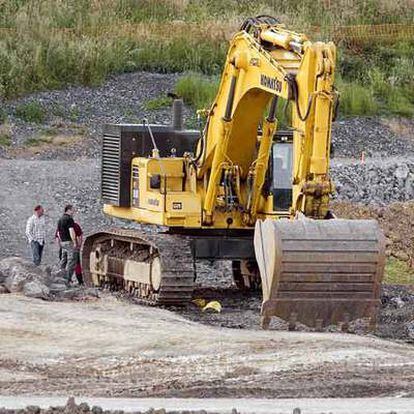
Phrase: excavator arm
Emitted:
{"points": [[260, 68]]}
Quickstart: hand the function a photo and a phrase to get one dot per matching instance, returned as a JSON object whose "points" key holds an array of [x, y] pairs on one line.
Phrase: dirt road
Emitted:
{"points": [[110, 348], [222, 405]]}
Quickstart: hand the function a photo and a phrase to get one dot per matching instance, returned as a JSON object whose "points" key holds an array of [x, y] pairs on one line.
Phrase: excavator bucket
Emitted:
{"points": [[320, 272]]}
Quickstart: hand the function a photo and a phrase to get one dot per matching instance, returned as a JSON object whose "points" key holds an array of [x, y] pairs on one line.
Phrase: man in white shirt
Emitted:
{"points": [[36, 233]]}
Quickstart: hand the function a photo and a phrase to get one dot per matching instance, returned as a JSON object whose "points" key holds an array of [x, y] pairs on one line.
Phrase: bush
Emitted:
{"points": [[30, 112]]}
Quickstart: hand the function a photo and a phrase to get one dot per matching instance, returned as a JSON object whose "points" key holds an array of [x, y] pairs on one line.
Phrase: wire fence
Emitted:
{"points": [[219, 31]]}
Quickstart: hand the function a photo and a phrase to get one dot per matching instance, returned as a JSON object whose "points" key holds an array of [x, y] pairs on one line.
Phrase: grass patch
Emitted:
{"points": [[197, 90], [51, 44], [30, 112], [74, 114], [356, 99], [3, 116], [38, 141], [5, 136], [158, 103], [398, 272]]}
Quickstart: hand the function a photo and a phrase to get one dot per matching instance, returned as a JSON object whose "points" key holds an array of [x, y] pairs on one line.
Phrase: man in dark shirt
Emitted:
{"points": [[67, 235]]}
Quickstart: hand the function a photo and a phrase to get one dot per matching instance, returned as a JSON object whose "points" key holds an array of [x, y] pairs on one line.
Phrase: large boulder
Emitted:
{"points": [[20, 275]]}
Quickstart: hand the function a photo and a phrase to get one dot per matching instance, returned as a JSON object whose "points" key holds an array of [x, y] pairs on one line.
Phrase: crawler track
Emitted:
{"points": [[117, 248]]}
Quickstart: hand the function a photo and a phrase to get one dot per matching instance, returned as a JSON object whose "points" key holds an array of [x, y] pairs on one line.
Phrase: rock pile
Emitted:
{"points": [[373, 137], [377, 182], [83, 408], [18, 275], [397, 315]]}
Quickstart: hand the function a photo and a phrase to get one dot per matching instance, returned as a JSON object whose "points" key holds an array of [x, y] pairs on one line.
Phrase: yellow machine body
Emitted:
{"points": [[230, 183], [192, 194]]}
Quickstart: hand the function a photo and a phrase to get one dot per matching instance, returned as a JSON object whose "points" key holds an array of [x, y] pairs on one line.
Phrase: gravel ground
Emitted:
{"points": [[53, 184], [56, 405], [109, 348]]}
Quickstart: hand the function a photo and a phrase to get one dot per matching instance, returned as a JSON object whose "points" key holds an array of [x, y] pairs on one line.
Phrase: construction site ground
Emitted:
{"points": [[111, 348]]}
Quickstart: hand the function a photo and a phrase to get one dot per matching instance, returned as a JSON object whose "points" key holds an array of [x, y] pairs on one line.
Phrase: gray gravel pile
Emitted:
{"points": [[18, 275], [121, 99], [396, 319], [351, 137], [378, 181]]}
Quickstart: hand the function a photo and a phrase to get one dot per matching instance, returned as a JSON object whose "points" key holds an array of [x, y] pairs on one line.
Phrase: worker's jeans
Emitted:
{"points": [[37, 250], [69, 259]]}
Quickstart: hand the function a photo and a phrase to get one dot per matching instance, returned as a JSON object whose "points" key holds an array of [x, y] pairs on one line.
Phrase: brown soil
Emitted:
{"points": [[396, 220]]}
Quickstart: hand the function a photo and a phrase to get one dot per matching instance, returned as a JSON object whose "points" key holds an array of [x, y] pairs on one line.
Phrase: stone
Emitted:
{"points": [[18, 271], [83, 407], [15, 282], [409, 327], [402, 256], [36, 289], [57, 287], [402, 172], [409, 187], [3, 289], [2, 277], [70, 405]]}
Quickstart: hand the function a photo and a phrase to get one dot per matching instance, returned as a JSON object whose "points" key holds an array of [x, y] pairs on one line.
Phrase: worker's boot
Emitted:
{"points": [[80, 279]]}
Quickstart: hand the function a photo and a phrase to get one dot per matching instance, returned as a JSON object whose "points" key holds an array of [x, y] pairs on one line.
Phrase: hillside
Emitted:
{"points": [[54, 43]]}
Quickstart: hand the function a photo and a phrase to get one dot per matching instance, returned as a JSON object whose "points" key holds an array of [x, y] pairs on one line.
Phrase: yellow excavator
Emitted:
{"points": [[241, 190]]}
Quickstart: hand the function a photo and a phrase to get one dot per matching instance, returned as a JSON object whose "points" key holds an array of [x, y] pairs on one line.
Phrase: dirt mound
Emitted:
{"points": [[396, 220]]}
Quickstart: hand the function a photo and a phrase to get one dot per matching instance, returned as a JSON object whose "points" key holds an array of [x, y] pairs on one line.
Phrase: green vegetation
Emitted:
{"points": [[30, 112], [5, 136], [53, 43], [158, 103], [356, 99], [398, 272], [197, 90], [3, 116], [37, 141]]}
